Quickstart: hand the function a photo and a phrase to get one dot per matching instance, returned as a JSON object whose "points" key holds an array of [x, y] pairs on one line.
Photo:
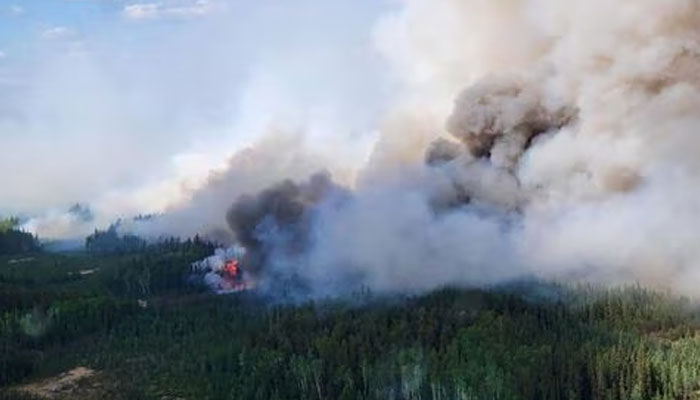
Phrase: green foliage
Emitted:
{"points": [[135, 318], [13, 240], [111, 242], [18, 396], [8, 224]]}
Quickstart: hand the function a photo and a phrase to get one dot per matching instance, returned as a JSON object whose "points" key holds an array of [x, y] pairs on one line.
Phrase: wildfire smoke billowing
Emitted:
{"points": [[539, 138], [222, 271]]}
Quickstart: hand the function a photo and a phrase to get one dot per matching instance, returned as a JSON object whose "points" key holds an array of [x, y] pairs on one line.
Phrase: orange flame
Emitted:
{"points": [[233, 279], [231, 269]]}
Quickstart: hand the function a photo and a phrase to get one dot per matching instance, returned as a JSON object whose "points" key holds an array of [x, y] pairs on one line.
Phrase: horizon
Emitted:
{"points": [[129, 106]]}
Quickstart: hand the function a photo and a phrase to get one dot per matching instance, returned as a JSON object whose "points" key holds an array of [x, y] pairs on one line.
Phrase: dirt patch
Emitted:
{"points": [[20, 260], [62, 386]]}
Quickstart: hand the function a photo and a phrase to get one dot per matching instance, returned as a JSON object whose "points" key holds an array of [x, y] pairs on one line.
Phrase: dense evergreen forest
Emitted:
{"points": [[151, 334], [110, 241], [15, 241]]}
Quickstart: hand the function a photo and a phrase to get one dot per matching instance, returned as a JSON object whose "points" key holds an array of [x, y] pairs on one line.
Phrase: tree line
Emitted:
{"points": [[137, 318], [13, 240]]}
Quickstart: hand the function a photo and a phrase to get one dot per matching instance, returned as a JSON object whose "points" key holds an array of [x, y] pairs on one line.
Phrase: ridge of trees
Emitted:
{"points": [[13, 240], [135, 315], [111, 241]]}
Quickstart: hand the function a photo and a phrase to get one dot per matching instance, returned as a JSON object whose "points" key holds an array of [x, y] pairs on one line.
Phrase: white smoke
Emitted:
{"points": [[528, 138], [573, 150], [578, 125], [132, 116], [276, 156], [217, 261], [212, 266]]}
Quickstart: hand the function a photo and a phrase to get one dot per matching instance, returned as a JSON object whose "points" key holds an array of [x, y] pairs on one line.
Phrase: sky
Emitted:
{"points": [[122, 104]]}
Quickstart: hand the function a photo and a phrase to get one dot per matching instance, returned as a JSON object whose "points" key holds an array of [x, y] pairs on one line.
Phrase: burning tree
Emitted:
{"points": [[223, 272]]}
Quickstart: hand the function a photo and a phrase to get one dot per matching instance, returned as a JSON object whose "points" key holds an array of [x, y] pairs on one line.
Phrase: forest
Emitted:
{"points": [[151, 333], [13, 240]]}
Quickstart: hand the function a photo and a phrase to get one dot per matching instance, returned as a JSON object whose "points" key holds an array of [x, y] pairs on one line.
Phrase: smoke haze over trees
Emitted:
{"points": [[148, 333], [418, 199], [522, 145], [506, 139]]}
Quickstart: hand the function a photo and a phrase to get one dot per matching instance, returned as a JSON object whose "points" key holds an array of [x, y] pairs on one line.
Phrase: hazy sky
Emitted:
{"points": [[118, 103]]}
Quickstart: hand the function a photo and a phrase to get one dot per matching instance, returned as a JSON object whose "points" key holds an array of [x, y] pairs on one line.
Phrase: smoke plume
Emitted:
{"points": [[569, 151], [526, 138], [131, 115]]}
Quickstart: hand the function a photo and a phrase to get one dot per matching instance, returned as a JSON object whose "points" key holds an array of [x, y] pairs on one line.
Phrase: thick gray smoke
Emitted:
{"points": [[277, 221], [535, 138]]}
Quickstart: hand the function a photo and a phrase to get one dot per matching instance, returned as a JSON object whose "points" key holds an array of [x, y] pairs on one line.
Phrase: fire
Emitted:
{"points": [[231, 269], [223, 271], [232, 279]]}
